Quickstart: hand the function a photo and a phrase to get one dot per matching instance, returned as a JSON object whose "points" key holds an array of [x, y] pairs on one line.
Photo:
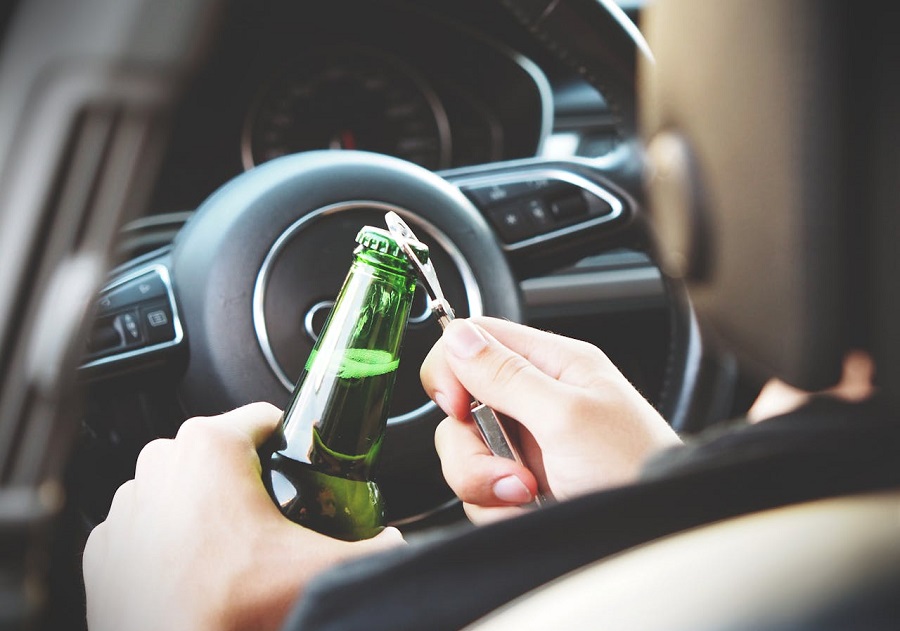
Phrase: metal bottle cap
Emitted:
{"points": [[381, 240]]}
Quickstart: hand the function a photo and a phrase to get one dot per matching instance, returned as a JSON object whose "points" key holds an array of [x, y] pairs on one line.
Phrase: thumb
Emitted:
{"points": [[255, 421], [500, 377], [388, 538]]}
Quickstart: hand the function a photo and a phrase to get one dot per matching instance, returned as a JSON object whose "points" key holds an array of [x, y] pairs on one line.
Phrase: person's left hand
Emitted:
{"points": [[195, 542]]}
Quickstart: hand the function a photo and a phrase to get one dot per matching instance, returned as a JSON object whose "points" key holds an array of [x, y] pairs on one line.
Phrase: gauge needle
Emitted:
{"points": [[343, 140]]}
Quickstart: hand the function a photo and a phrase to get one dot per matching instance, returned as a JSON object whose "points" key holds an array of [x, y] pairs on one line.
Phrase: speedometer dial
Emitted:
{"points": [[352, 98]]}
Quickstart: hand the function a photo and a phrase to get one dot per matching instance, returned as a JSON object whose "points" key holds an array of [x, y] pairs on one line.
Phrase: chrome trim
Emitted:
{"points": [[549, 174], [542, 84], [545, 92], [163, 272], [427, 312], [161, 220], [601, 163], [470, 284], [618, 14], [428, 513], [308, 318]]}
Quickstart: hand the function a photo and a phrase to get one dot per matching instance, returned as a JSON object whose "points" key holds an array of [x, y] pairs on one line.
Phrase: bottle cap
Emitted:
{"points": [[380, 240]]}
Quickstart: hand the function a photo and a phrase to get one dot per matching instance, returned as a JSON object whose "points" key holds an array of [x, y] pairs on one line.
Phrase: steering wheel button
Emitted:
{"points": [[512, 222], [126, 325], [539, 214], [142, 288], [157, 318], [543, 185], [157, 321], [103, 337], [495, 194], [569, 207]]}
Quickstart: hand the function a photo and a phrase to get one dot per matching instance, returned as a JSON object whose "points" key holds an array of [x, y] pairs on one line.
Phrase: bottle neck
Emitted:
{"points": [[339, 411], [383, 261]]}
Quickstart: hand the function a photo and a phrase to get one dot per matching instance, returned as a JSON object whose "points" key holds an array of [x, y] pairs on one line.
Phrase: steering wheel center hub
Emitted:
{"points": [[303, 271]]}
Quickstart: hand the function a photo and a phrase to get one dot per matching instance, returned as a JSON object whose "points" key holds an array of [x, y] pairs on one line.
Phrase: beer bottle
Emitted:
{"points": [[319, 465]]}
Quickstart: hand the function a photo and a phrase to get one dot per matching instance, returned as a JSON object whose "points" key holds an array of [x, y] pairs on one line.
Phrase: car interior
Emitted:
{"points": [[181, 182]]}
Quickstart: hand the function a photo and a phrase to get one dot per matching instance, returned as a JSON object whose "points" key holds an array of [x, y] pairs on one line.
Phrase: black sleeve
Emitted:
{"points": [[453, 582]]}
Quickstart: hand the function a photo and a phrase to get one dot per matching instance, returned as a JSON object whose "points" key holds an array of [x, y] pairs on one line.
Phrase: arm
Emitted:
{"points": [[581, 425], [194, 541]]}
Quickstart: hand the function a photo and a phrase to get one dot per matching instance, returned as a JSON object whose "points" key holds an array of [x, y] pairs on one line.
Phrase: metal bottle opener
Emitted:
{"points": [[488, 421]]}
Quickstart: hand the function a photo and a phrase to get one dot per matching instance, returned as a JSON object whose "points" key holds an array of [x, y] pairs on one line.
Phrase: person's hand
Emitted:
{"points": [[581, 425], [857, 384], [194, 541]]}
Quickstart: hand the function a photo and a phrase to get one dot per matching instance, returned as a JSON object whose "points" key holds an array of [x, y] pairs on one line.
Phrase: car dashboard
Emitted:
{"points": [[442, 85]]}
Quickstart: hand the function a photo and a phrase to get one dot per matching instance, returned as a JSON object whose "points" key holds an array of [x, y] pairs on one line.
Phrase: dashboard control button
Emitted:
{"points": [[539, 214], [496, 194], [511, 222], [142, 288], [104, 337], [136, 316], [157, 320], [529, 206], [568, 207], [126, 324]]}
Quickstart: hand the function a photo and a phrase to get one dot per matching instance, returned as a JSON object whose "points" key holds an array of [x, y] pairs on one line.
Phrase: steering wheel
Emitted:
{"points": [[241, 296]]}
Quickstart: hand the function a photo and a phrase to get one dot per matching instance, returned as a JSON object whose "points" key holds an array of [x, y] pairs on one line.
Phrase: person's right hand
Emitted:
{"points": [[195, 542], [581, 425]]}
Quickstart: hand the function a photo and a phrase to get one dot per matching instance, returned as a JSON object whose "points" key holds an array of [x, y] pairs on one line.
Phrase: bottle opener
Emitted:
{"points": [[488, 421]]}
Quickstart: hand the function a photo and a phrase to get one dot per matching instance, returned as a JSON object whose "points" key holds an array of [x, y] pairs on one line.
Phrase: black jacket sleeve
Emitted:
{"points": [[826, 449]]}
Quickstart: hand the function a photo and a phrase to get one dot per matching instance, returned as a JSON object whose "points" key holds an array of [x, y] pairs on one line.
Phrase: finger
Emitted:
{"points": [[94, 554], [482, 515], [441, 384], [257, 421], [388, 538], [122, 501], [565, 359], [475, 474], [500, 377], [254, 421], [150, 459]]}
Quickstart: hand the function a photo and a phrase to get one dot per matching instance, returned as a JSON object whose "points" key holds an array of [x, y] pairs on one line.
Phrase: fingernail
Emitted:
{"points": [[442, 403], [464, 339], [511, 489]]}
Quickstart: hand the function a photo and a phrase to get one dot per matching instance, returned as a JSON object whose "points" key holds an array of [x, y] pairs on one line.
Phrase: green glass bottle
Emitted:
{"points": [[318, 467]]}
